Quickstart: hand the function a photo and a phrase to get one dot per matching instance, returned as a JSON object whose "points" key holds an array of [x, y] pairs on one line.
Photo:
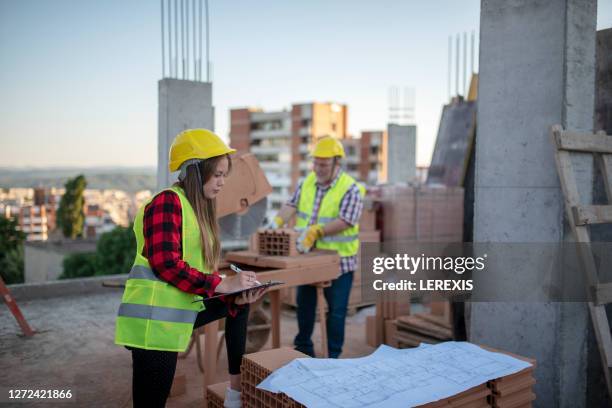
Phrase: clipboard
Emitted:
{"points": [[265, 285]]}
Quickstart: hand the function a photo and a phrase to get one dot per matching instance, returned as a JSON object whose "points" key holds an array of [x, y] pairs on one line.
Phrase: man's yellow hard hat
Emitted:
{"points": [[196, 144], [328, 147]]}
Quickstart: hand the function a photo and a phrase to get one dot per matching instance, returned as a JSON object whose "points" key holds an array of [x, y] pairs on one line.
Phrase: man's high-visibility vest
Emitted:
{"points": [[346, 243], [153, 314]]}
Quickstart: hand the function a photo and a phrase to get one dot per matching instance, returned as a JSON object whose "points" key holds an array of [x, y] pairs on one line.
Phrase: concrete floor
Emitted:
{"points": [[74, 350]]}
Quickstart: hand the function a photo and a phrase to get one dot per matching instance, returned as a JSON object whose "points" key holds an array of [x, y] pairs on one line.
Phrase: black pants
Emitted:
{"points": [[153, 371]]}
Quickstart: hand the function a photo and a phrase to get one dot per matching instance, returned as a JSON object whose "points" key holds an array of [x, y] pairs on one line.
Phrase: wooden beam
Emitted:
{"points": [[592, 214], [584, 142]]}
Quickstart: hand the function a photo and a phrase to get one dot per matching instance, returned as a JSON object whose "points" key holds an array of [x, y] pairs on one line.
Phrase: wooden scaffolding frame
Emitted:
{"points": [[580, 216]]}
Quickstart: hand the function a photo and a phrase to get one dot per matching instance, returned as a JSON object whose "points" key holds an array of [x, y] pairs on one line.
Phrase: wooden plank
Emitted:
{"points": [[417, 325], [413, 338], [275, 311], [301, 275], [437, 320], [581, 234], [318, 256], [322, 320], [583, 142], [592, 214], [572, 198]]}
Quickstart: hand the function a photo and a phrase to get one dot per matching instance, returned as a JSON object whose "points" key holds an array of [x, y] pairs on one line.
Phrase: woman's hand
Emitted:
{"points": [[250, 296], [240, 281]]}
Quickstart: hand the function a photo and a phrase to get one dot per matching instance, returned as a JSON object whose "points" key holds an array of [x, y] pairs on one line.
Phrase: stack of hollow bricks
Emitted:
{"points": [[511, 391], [515, 390], [413, 214], [255, 368], [215, 395], [277, 242]]}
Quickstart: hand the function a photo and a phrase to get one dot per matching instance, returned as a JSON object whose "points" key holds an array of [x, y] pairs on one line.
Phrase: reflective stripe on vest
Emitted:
{"points": [[164, 314], [142, 272], [340, 238]]}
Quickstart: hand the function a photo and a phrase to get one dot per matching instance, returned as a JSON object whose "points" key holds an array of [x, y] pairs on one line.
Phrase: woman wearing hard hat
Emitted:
{"points": [[178, 251]]}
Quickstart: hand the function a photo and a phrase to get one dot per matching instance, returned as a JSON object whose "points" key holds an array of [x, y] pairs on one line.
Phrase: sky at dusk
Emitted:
{"points": [[78, 79]]}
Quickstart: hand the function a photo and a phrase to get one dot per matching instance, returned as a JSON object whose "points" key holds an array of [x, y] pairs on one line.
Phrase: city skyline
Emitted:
{"points": [[79, 79]]}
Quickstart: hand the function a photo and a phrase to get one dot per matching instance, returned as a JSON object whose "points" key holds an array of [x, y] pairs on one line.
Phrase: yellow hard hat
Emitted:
{"points": [[328, 147], [196, 144]]}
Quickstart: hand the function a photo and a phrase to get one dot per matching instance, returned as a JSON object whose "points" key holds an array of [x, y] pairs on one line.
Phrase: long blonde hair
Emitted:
{"points": [[205, 208]]}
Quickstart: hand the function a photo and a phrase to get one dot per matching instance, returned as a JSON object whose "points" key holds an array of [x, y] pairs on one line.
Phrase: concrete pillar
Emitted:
{"points": [[182, 105], [401, 153], [536, 69]]}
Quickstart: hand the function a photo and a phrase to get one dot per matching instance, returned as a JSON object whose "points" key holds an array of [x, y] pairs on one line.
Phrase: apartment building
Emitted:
{"points": [[37, 216], [282, 140], [36, 221], [366, 157]]}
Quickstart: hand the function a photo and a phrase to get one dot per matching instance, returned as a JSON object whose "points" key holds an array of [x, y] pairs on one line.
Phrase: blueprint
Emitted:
{"points": [[391, 377]]}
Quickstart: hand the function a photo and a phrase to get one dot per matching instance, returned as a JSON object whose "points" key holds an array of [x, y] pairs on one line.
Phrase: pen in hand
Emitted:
{"points": [[238, 270]]}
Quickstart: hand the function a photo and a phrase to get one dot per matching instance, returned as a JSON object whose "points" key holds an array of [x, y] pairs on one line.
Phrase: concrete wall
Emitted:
{"points": [[536, 69], [42, 265], [43, 261], [23, 292], [182, 105], [603, 88], [401, 158]]}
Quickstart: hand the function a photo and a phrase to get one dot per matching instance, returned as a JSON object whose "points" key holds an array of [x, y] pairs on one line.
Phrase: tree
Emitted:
{"points": [[115, 251], [70, 215], [114, 255], [79, 265], [11, 251]]}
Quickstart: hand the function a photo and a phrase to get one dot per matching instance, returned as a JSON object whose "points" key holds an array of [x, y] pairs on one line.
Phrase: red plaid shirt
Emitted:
{"points": [[163, 237]]}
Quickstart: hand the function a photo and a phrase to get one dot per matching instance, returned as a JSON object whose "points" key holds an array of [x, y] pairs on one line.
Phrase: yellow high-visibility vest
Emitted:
{"points": [[153, 314], [346, 243]]}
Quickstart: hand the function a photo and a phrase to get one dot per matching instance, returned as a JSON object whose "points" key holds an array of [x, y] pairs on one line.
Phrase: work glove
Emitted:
{"points": [[274, 223], [308, 238]]}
